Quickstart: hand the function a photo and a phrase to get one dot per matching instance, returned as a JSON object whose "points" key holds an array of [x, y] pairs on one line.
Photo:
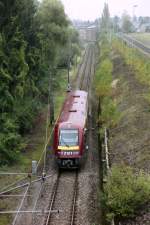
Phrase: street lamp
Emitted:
{"points": [[133, 11]]}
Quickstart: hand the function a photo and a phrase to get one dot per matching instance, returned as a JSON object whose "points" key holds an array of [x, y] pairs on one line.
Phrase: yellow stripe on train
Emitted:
{"points": [[66, 148]]}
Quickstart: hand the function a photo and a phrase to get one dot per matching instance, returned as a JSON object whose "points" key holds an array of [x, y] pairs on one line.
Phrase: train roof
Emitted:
{"points": [[74, 111]]}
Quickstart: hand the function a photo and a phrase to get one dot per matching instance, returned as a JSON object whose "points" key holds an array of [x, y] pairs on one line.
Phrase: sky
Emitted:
{"points": [[92, 9]]}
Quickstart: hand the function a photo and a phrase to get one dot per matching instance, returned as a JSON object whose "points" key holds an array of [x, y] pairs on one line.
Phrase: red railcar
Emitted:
{"points": [[70, 129]]}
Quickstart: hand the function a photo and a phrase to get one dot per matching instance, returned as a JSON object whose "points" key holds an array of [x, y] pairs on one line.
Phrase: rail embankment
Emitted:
{"points": [[122, 85]]}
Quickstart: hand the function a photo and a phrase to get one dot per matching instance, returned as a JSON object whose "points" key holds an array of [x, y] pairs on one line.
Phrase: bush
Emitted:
{"points": [[125, 192], [110, 115], [10, 142], [104, 78]]}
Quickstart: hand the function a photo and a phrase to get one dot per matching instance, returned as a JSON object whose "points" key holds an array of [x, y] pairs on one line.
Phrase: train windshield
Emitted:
{"points": [[68, 137]]}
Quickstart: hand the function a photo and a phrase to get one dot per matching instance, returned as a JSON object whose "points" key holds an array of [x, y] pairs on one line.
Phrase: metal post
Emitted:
{"points": [[68, 76], [34, 167], [106, 149], [51, 96]]}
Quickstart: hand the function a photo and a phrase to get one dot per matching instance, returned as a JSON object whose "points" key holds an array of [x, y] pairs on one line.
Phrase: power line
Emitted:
{"points": [[21, 204]]}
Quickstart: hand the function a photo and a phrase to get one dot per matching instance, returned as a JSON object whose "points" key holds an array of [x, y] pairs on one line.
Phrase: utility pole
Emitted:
{"points": [[68, 66], [68, 76], [51, 95]]}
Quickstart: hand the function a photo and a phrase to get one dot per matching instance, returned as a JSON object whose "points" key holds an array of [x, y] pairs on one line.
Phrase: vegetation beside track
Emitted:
{"points": [[140, 64], [36, 38], [37, 139], [104, 88], [125, 191]]}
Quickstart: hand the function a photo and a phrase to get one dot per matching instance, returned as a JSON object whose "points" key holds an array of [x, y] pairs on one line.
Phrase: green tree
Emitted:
{"points": [[53, 28], [32, 34], [127, 26], [105, 20], [116, 26]]}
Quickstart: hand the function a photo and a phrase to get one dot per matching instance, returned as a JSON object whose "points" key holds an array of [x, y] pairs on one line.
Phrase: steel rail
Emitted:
{"points": [[75, 194], [87, 73], [89, 69], [30, 211], [84, 68], [53, 196], [80, 65], [136, 44], [50, 209]]}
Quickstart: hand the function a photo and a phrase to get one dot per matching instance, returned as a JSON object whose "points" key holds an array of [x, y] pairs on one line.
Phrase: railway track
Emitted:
{"points": [[132, 42], [65, 190], [66, 185], [84, 73], [84, 70]]}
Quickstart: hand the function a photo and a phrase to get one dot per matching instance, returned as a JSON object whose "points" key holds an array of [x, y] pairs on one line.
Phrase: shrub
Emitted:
{"points": [[104, 78], [10, 142], [110, 115], [125, 192]]}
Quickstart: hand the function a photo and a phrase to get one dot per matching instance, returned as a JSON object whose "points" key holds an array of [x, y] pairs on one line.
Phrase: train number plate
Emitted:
{"points": [[69, 153]]}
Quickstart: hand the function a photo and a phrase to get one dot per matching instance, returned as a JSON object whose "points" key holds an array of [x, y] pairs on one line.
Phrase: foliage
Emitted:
{"points": [[110, 115], [116, 23], [127, 25], [104, 78], [53, 24], [105, 20], [125, 192], [31, 37], [9, 140]]}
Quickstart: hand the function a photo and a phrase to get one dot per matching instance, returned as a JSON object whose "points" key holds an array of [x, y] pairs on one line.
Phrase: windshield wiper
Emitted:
{"points": [[65, 143]]}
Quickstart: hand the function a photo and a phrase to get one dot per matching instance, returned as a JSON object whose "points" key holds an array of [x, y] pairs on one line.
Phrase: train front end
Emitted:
{"points": [[69, 149]]}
